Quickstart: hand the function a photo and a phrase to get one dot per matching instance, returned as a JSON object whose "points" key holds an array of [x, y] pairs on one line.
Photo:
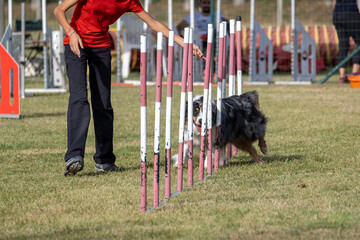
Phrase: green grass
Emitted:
{"points": [[313, 139]]}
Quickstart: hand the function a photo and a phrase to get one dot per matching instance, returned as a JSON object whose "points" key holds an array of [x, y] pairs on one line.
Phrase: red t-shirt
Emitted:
{"points": [[92, 18]]}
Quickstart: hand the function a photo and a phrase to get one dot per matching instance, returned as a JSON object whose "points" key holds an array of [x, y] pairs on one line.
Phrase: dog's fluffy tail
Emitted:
{"points": [[257, 127], [241, 117]]}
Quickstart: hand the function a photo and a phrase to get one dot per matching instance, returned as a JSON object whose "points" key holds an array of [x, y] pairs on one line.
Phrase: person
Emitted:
{"points": [[201, 20], [346, 18], [87, 43]]}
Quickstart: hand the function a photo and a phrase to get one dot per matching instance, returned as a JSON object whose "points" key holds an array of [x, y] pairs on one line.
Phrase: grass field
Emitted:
{"points": [[313, 139]]}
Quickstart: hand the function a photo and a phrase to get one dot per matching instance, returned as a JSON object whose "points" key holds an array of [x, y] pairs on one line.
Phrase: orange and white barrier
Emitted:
{"points": [[9, 102]]}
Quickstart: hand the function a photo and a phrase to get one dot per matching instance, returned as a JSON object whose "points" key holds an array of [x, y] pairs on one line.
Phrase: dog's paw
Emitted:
{"points": [[222, 161], [174, 158], [262, 145], [264, 150]]}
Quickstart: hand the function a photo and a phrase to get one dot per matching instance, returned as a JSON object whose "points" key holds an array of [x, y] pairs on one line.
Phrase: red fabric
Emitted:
{"points": [[91, 19]]}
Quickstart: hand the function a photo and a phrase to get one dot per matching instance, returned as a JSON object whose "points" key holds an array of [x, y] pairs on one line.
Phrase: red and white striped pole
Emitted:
{"points": [[182, 111], [205, 103], [157, 118], [231, 148], [232, 59], [209, 105], [168, 115], [238, 62], [190, 109], [238, 55], [143, 130], [219, 96], [223, 90], [209, 126]]}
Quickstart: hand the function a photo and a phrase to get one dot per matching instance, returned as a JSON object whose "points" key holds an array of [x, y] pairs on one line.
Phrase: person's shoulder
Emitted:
{"points": [[221, 14], [187, 18]]}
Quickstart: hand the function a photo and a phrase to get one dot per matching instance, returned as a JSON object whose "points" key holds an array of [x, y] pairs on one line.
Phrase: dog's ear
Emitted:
{"points": [[202, 99]]}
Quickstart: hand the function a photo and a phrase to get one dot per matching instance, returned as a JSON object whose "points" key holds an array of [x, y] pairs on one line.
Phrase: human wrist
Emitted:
{"points": [[71, 33]]}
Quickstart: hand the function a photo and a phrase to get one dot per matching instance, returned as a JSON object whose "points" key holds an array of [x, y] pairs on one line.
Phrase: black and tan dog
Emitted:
{"points": [[242, 123]]}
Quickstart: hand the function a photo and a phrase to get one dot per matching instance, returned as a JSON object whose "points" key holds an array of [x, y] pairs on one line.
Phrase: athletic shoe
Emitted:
{"points": [[74, 165], [354, 74], [106, 167], [343, 80]]}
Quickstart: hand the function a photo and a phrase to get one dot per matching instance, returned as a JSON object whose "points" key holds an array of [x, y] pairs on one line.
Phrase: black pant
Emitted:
{"points": [[78, 116], [347, 25]]}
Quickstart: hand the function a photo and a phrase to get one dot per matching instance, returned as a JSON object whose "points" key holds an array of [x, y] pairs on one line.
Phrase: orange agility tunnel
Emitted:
{"points": [[325, 37]]}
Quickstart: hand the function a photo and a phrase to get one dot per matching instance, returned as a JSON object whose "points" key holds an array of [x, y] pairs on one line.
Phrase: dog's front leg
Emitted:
{"points": [[175, 157], [248, 147], [186, 152], [263, 146], [223, 158]]}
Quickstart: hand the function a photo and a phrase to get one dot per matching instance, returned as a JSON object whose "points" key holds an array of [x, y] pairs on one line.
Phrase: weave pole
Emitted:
{"points": [[223, 89], [219, 96], [238, 62], [182, 111], [157, 126], [238, 55], [168, 115], [209, 126], [223, 86], [143, 147], [231, 148], [205, 103], [232, 59], [209, 85], [190, 109]]}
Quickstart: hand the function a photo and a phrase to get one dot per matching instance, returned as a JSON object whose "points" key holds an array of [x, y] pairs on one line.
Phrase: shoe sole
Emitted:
{"points": [[73, 169], [99, 169], [107, 170]]}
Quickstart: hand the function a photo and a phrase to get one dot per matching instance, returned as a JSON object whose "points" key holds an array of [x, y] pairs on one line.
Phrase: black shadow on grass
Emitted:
{"points": [[93, 173], [267, 159], [282, 158], [249, 161], [42, 115]]}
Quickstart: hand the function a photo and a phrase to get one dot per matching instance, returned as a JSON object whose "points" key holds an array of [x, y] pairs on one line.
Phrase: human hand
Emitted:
{"points": [[197, 52], [75, 42]]}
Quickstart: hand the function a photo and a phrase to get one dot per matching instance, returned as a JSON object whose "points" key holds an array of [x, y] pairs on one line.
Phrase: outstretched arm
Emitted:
{"points": [[157, 26]]}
